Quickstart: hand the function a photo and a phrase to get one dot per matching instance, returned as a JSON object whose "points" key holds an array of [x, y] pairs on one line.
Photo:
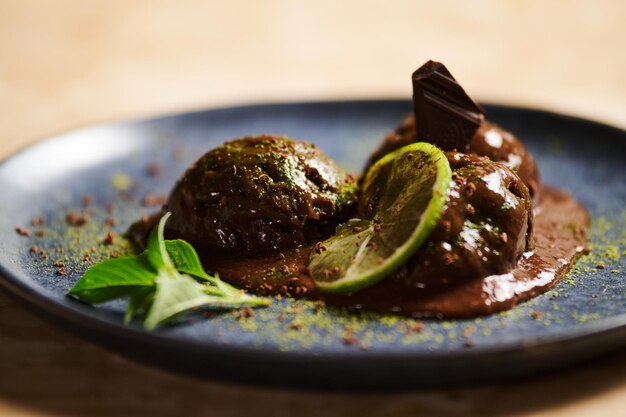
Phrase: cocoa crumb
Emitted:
{"points": [[58, 264], [37, 221], [319, 248], [600, 266], [467, 331], [294, 325], [109, 239], [110, 221], [61, 271], [349, 338], [87, 258], [153, 169], [22, 231], [40, 233], [417, 327], [34, 249], [75, 219], [318, 306], [536, 314], [244, 313], [357, 229], [300, 290], [87, 200]]}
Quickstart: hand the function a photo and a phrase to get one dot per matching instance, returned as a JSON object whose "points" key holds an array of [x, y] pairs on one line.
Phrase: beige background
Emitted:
{"points": [[65, 64]]}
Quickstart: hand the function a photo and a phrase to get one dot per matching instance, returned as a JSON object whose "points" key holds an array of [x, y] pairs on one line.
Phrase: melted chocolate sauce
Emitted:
{"points": [[560, 230]]}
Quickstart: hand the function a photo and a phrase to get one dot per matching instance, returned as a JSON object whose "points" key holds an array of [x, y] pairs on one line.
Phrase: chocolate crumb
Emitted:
{"points": [[600, 266], [75, 219], [417, 327], [536, 314], [153, 169], [40, 233], [22, 231], [319, 306], [357, 229], [110, 221], [37, 221], [244, 313], [294, 325], [34, 249], [87, 200], [109, 239], [58, 264], [61, 271], [349, 338], [319, 248]]}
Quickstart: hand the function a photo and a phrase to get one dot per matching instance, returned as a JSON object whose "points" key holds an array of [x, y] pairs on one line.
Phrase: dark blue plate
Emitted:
{"points": [[292, 343]]}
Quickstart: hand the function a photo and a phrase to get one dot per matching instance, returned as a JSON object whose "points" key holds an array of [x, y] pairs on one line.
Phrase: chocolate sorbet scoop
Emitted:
{"points": [[258, 195], [485, 227]]}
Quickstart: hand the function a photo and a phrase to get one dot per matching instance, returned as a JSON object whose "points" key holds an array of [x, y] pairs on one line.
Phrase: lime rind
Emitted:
{"points": [[408, 189]]}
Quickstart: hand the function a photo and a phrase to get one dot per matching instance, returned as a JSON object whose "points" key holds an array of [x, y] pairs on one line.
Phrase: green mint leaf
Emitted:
{"points": [[176, 293], [114, 278], [186, 258], [157, 252], [139, 302]]}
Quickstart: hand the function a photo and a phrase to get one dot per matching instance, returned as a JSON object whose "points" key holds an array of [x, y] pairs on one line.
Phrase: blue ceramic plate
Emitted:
{"points": [[292, 343]]}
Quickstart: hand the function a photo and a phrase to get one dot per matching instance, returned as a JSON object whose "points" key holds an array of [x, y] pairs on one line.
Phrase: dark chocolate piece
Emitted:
{"points": [[445, 115]]}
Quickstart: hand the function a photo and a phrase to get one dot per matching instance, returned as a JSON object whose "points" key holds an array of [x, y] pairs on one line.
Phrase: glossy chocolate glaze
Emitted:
{"points": [[489, 140], [560, 229]]}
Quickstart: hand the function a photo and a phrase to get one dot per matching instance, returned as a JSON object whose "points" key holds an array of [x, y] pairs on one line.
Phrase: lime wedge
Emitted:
{"points": [[401, 201]]}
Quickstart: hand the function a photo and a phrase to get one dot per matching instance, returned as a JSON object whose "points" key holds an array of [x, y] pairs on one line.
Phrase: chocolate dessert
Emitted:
{"points": [[259, 209]]}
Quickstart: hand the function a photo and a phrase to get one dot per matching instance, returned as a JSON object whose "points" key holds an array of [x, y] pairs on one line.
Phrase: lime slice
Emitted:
{"points": [[401, 201]]}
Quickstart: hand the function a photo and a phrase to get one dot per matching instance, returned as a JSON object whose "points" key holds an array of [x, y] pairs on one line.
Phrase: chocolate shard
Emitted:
{"points": [[444, 114]]}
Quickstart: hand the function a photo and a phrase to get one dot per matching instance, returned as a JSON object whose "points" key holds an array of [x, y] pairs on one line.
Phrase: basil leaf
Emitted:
{"points": [[185, 258], [176, 293], [157, 253], [139, 302], [114, 278]]}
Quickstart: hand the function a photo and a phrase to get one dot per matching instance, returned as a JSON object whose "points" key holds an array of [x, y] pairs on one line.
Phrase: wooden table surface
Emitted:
{"points": [[66, 63]]}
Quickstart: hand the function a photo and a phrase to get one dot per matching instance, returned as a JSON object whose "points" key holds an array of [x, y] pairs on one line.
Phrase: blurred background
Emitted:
{"points": [[66, 63], [70, 63]]}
